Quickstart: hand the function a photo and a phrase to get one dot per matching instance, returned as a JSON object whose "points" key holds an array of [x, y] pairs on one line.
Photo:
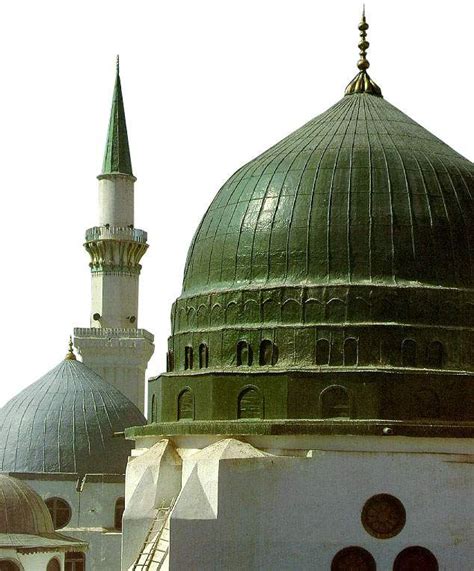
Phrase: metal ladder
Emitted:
{"points": [[156, 545]]}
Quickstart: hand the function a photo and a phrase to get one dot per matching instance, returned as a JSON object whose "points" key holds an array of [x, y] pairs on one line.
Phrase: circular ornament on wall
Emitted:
{"points": [[383, 516], [351, 558]]}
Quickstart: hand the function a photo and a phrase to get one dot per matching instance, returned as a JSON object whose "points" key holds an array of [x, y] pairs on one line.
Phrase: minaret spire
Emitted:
{"points": [[117, 151], [362, 82]]}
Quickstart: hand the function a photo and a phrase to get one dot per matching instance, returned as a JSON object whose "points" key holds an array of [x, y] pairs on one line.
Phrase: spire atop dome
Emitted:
{"points": [[70, 354], [117, 152], [362, 83]]}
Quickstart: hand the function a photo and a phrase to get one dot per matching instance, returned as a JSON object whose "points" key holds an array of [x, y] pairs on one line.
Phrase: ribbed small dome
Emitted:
{"points": [[360, 194], [22, 510], [65, 422]]}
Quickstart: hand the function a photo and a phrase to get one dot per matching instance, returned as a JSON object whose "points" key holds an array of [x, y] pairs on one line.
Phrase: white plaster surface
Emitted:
{"points": [[153, 480], [241, 509], [116, 200]]}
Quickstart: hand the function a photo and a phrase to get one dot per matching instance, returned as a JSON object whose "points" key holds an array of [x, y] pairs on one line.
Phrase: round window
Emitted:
{"points": [[415, 557], [383, 516], [351, 558], [60, 511]]}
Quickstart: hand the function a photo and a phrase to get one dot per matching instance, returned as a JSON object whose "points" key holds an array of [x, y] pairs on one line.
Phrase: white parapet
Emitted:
{"points": [[119, 356]]}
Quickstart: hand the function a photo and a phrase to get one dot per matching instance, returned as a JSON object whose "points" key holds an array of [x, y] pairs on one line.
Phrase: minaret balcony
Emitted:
{"points": [[120, 233]]}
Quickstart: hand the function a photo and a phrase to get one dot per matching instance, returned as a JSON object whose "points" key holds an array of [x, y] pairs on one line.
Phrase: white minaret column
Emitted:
{"points": [[113, 345]]}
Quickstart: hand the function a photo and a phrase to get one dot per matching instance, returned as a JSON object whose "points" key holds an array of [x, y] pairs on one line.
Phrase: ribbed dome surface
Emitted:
{"points": [[360, 194], [22, 510], [64, 422]]}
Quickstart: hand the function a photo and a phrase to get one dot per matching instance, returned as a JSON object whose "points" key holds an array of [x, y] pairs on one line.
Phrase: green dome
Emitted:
{"points": [[360, 194]]}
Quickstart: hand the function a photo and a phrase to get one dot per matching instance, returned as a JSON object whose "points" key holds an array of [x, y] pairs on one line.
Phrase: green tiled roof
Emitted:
{"points": [[117, 152]]}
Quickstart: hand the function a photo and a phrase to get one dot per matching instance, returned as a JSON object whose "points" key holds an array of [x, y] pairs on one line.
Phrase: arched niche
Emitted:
{"points": [[270, 311], [232, 313], [53, 565], [252, 311], [322, 352], [203, 356], [188, 357], [351, 352], [291, 311], [408, 353], [250, 403], [336, 310], [244, 354], [202, 317], [217, 315], [313, 311], [268, 353], [335, 402], [186, 404]]}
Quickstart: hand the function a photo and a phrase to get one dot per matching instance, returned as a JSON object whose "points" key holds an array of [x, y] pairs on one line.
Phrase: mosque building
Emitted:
{"points": [[62, 438], [316, 411]]}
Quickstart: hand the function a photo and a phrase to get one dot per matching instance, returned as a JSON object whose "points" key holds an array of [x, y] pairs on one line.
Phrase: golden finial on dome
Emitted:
{"points": [[362, 83], [70, 354]]}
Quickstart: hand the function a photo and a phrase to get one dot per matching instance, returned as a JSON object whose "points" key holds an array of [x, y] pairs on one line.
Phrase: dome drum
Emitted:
{"points": [[303, 395]]}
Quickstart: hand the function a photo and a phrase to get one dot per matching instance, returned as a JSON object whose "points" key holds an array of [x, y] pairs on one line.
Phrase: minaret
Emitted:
{"points": [[113, 346]]}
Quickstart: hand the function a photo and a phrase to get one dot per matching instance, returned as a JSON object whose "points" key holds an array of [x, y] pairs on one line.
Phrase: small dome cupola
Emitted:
{"points": [[65, 422]]}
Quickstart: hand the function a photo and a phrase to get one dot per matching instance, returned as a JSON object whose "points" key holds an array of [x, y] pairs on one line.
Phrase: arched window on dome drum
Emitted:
{"points": [[322, 352], [268, 353], [152, 411], [75, 561], [60, 511], [170, 361], [435, 355], [250, 404], [335, 402], [351, 352], [409, 353], [203, 356], [188, 357], [415, 557], [8, 565], [118, 514], [186, 405], [244, 354], [351, 558], [53, 565]]}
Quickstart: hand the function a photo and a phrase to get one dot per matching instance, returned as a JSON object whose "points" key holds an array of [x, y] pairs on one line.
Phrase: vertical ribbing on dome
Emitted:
{"points": [[362, 82]]}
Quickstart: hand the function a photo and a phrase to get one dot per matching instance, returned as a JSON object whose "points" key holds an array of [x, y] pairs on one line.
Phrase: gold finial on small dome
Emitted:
{"points": [[70, 354], [362, 83]]}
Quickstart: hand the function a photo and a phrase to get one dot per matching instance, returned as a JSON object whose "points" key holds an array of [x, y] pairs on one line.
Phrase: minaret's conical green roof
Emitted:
{"points": [[117, 152]]}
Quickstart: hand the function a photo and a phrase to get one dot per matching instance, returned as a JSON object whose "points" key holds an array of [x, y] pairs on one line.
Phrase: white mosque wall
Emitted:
{"points": [[242, 507], [92, 501]]}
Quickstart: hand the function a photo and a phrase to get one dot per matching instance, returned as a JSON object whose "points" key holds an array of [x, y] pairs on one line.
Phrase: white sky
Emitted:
{"points": [[208, 85]]}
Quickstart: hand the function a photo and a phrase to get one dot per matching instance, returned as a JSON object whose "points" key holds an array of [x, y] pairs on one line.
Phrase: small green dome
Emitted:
{"points": [[360, 194], [22, 510]]}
